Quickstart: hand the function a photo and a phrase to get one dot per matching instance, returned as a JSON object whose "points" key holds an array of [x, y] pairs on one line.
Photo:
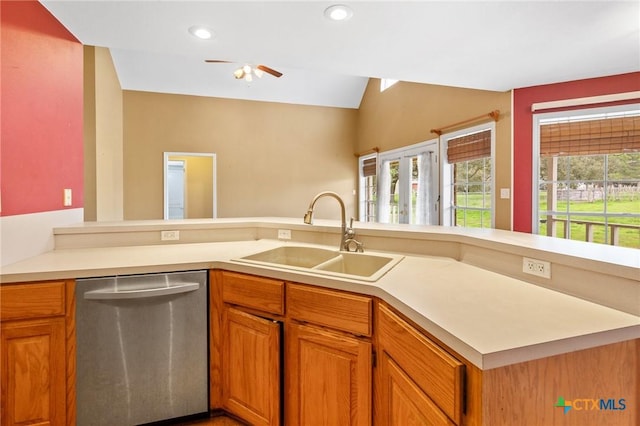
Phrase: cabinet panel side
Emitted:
{"points": [[590, 387]]}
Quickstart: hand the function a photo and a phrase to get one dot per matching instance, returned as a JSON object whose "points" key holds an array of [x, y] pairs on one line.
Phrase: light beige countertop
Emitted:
{"points": [[489, 318]]}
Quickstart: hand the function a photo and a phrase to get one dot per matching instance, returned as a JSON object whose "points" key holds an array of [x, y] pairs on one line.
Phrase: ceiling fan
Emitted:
{"points": [[247, 71]]}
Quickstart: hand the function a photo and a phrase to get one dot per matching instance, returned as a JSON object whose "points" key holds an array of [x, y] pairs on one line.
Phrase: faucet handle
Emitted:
{"points": [[350, 233], [349, 243]]}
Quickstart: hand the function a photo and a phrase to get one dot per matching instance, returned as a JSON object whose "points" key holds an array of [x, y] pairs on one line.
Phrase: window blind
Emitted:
{"points": [[369, 167], [469, 147], [599, 136]]}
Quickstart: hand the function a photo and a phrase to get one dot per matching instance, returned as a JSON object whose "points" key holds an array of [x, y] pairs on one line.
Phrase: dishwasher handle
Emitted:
{"points": [[142, 293]]}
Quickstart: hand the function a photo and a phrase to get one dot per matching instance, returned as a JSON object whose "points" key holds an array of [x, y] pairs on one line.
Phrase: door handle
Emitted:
{"points": [[140, 294]]}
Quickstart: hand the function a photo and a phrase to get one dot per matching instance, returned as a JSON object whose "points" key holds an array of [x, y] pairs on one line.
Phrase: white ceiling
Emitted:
{"points": [[491, 45]]}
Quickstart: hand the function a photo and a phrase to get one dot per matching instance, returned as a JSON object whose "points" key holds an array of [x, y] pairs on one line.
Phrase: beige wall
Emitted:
{"points": [[89, 134], [405, 114], [271, 158], [103, 137]]}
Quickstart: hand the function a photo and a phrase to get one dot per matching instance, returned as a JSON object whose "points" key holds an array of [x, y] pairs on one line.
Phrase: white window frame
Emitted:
{"points": [[447, 211], [537, 118], [362, 187]]}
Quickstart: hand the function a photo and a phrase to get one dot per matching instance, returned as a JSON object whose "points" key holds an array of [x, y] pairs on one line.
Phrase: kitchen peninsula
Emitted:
{"points": [[519, 340]]}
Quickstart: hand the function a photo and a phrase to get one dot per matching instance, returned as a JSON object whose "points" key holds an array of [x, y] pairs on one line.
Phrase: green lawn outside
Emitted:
{"points": [[627, 238]]}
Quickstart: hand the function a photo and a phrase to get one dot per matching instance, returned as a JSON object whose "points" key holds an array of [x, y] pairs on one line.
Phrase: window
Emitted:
{"points": [[467, 177], [587, 175], [368, 187], [404, 189], [385, 83]]}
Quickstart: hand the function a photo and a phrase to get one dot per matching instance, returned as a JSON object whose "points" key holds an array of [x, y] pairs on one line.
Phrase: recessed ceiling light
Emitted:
{"points": [[201, 32], [338, 12]]}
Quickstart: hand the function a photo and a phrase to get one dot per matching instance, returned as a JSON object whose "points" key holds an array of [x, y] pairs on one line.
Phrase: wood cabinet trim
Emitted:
{"points": [[71, 351], [215, 339]]}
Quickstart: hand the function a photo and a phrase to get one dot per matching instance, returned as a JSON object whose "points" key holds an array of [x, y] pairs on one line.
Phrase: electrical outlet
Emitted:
{"points": [[169, 235], [284, 234], [539, 268]]}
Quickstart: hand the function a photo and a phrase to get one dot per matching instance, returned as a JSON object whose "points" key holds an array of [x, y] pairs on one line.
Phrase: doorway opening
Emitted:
{"points": [[189, 185]]}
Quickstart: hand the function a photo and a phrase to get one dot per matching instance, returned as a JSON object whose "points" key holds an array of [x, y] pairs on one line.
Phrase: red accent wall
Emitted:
{"points": [[41, 146], [523, 130]]}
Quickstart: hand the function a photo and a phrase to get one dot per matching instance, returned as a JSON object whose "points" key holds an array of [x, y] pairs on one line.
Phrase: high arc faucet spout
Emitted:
{"points": [[346, 233]]}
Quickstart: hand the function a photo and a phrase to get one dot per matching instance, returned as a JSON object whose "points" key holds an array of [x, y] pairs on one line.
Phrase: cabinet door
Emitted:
{"points": [[328, 378], [404, 402], [33, 372], [434, 370], [251, 367]]}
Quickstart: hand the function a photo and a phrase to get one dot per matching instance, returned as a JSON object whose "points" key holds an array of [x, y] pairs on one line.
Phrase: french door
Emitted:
{"points": [[408, 186]]}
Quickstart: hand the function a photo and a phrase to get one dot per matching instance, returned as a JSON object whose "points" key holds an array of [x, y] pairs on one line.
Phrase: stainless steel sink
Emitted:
{"points": [[361, 266]]}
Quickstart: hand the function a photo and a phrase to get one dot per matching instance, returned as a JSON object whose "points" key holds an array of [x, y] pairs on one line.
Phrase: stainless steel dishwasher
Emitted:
{"points": [[142, 351]]}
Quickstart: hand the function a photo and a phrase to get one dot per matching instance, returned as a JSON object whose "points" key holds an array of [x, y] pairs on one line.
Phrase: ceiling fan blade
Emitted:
{"points": [[268, 70], [217, 61]]}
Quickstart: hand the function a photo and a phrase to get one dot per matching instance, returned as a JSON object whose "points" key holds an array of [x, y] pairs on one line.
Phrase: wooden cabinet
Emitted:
{"points": [[329, 368], [329, 377], [248, 291], [404, 402], [251, 347], [329, 308], [251, 373], [328, 351], [415, 367], [37, 349]]}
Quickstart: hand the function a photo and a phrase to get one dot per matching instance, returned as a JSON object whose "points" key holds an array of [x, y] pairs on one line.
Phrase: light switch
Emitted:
{"points": [[505, 193], [67, 197]]}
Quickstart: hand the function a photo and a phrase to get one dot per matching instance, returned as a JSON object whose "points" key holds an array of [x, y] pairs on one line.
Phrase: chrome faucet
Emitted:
{"points": [[347, 239]]}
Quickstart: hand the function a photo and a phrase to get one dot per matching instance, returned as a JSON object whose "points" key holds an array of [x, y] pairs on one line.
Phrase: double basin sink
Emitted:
{"points": [[360, 266]]}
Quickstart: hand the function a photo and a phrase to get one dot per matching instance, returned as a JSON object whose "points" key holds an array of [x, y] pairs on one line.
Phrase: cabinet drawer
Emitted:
{"points": [[23, 301], [335, 309], [433, 369], [263, 294]]}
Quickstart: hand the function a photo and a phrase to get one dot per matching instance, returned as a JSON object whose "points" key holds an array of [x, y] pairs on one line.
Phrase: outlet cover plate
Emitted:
{"points": [[539, 268], [169, 235], [284, 234]]}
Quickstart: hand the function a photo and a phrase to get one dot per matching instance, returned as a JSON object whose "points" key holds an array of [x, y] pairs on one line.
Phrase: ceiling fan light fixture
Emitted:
{"points": [[258, 72], [201, 32], [338, 12], [239, 73]]}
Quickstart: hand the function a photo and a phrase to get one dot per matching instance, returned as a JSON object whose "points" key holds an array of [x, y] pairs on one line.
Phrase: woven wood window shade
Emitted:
{"points": [[369, 167], [469, 147], [602, 136]]}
